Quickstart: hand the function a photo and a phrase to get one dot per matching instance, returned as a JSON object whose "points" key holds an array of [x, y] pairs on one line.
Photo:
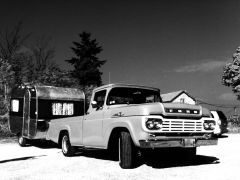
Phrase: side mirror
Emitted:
{"points": [[94, 104]]}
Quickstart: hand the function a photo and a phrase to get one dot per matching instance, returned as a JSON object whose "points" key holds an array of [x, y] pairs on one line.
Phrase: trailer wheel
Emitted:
{"points": [[127, 151], [67, 149], [22, 141]]}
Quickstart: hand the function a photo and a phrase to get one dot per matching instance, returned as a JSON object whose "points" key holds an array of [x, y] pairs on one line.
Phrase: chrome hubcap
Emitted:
{"points": [[119, 150], [20, 140], [65, 144]]}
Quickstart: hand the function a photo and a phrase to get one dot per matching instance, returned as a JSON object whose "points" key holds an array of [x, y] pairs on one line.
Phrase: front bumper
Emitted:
{"points": [[177, 142]]}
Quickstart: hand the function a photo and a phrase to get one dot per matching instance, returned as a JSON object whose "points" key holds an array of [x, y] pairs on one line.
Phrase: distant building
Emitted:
{"points": [[178, 97]]}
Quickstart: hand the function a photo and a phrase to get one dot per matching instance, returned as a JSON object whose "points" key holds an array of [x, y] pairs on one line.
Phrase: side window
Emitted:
{"points": [[182, 100], [54, 109], [15, 105], [99, 98], [64, 109]]}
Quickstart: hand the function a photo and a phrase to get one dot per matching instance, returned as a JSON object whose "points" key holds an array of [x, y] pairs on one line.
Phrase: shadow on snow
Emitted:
{"points": [[19, 159], [162, 158], [158, 159], [42, 144]]}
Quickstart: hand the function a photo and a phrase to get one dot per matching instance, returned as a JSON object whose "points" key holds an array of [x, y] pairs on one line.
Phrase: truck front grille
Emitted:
{"points": [[179, 125]]}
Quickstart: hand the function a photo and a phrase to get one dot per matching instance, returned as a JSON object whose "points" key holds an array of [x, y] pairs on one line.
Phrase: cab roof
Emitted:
{"points": [[125, 85]]}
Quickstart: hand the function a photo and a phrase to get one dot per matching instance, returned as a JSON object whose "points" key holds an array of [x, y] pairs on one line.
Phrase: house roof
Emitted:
{"points": [[169, 97]]}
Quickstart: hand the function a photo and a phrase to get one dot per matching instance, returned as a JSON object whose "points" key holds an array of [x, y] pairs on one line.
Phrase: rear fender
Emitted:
{"points": [[55, 131]]}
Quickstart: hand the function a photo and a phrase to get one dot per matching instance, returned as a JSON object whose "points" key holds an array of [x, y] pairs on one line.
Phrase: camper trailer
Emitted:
{"points": [[32, 108]]}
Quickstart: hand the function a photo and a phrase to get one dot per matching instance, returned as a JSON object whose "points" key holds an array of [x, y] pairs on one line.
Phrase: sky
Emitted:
{"points": [[169, 44]]}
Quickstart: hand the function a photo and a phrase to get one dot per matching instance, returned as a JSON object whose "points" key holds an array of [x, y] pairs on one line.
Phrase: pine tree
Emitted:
{"points": [[86, 62]]}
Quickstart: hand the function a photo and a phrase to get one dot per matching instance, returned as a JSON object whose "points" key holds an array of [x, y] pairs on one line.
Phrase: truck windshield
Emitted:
{"points": [[125, 95]]}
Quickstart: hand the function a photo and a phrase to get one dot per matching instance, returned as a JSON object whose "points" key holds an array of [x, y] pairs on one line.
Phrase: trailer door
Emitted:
{"points": [[32, 110], [26, 114], [29, 114]]}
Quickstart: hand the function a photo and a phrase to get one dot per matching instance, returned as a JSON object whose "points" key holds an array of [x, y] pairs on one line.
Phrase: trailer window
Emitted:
{"points": [[15, 105], [62, 109], [54, 109]]}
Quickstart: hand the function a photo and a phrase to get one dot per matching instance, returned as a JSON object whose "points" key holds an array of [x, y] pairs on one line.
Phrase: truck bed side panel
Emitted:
{"points": [[73, 125]]}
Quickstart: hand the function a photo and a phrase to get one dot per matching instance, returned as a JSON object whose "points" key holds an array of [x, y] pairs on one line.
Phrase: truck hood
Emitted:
{"points": [[164, 109], [180, 109]]}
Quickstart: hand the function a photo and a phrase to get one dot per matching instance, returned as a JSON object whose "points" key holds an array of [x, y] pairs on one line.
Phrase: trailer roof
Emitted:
{"points": [[60, 93], [50, 92]]}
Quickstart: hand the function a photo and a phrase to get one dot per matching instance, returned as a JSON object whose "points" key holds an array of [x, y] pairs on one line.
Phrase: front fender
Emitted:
{"points": [[132, 124]]}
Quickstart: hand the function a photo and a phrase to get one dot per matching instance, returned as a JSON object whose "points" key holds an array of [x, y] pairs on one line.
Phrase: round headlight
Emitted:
{"points": [[154, 123], [150, 124], [209, 125], [158, 126], [206, 125]]}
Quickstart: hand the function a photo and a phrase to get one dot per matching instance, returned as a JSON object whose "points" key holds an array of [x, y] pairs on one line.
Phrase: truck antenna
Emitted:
{"points": [[109, 77]]}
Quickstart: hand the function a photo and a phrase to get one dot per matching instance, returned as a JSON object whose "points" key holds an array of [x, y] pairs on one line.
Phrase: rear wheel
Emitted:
{"points": [[67, 148], [127, 151], [22, 141]]}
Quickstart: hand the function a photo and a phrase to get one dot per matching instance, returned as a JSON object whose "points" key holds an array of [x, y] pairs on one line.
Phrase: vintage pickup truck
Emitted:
{"points": [[127, 119]]}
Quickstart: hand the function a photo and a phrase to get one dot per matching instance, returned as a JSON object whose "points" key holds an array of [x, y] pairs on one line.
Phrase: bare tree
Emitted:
{"points": [[43, 54], [32, 64], [41, 69], [6, 76], [11, 45], [11, 41]]}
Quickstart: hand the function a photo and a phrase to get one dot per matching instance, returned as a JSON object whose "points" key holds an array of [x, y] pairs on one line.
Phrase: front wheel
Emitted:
{"points": [[67, 149], [22, 141], [127, 151]]}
